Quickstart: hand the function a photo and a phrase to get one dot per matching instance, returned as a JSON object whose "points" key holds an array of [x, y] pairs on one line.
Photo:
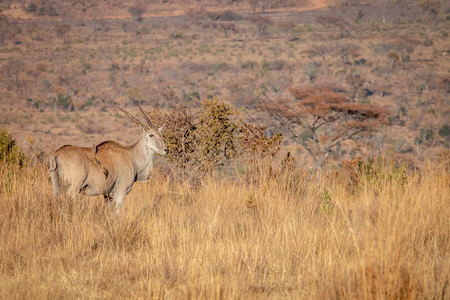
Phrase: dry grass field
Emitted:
{"points": [[288, 236]]}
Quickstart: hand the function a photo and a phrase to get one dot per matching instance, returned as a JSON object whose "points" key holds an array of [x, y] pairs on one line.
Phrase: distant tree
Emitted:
{"points": [[262, 24], [444, 132], [359, 16], [338, 23], [228, 27], [321, 50], [62, 32], [13, 69], [346, 52], [393, 57], [253, 5], [43, 7], [137, 11], [355, 82], [195, 15], [431, 7], [264, 5], [31, 7], [214, 19], [321, 119], [8, 28]]}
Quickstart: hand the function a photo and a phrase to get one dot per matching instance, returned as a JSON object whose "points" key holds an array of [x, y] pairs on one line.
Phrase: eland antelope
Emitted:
{"points": [[110, 168]]}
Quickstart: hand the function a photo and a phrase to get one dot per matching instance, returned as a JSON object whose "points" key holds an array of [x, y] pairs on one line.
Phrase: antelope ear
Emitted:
{"points": [[160, 129]]}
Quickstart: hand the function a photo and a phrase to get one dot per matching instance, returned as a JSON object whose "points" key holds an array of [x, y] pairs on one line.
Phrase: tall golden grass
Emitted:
{"points": [[287, 236]]}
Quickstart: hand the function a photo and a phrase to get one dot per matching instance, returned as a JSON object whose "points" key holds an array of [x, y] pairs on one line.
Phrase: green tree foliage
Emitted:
{"points": [[204, 138], [10, 153], [217, 133]]}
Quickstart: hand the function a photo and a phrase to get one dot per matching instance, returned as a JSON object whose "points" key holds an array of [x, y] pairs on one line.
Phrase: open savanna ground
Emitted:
{"points": [[62, 75], [382, 235]]}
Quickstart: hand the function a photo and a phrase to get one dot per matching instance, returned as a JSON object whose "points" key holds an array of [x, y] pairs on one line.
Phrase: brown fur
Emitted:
{"points": [[110, 168]]}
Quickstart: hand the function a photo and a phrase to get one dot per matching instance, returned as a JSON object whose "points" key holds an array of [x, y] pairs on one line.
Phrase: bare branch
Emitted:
{"points": [[327, 118]]}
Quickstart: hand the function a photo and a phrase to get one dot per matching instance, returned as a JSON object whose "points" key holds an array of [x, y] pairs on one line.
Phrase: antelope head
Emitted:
{"points": [[151, 135]]}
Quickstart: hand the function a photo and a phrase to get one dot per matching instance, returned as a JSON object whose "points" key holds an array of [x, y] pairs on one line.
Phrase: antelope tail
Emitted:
{"points": [[54, 174]]}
